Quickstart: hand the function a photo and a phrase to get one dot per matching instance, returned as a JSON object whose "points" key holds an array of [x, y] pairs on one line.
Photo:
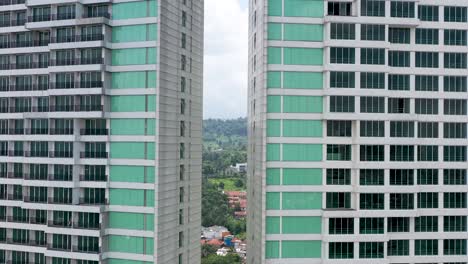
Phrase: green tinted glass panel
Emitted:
{"points": [[302, 152], [134, 56], [136, 126], [301, 249], [302, 128], [128, 244], [274, 55], [130, 103], [303, 8], [132, 150], [273, 152], [273, 176], [274, 31], [272, 225], [275, 7], [127, 80], [134, 10], [272, 249], [303, 80], [126, 261], [121, 173], [301, 225], [131, 221], [302, 104], [274, 104], [302, 176], [274, 79], [134, 33], [301, 201], [272, 201], [303, 56], [152, 32], [303, 32], [127, 197], [273, 128]]}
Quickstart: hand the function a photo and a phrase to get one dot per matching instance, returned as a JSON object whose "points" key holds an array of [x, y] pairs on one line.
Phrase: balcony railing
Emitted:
{"points": [[61, 131], [58, 177], [34, 199], [39, 18], [16, 153], [14, 175], [87, 250], [60, 224], [71, 85], [94, 132], [60, 154], [15, 197], [52, 200], [37, 153], [78, 38], [98, 14], [75, 108], [93, 178], [93, 155], [37, 131], [70, 62], [16, 131], [11, 2], [35, 177], [57, 248]]}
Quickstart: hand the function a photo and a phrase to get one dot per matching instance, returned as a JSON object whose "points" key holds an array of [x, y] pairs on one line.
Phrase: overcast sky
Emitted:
{"points": [[225, 73]]}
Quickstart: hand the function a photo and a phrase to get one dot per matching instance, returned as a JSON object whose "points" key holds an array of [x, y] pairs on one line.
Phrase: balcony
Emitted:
{"points": [[11, 2], [97, 14], [36, 154], [58, 177], [20, 109], [64, 16], [70, 62], [35, 199], [53, 200], [93, 178], [87, 250], [16, 131], [37, 131], [39, 18], [25, 87], [72, 85], [57, 248], [37, 220], [78, 38], [61, 131], [59, 223], [14, 175], [94, 155], [61, 154], [82, 225], [15, 197], [94, 132], [75, 108], [17, 219], [32, 242], [16, 153], [33, 177]]}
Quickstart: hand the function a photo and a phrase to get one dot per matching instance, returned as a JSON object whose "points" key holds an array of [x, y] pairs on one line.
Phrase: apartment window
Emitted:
{"points": [[342, 104], [428, 13], [183, 62], [371, 250], [455, 84], [372, 153], [184, 19], [181, 239], [427, 59], [339, 152], [371, 201], [342, 79], [455, 177], [182, 106], [182, 151], [399, 82], [455, 130], [341, 250], [428, 176], [401, 201], [428, 130], [371, 177], [401, 129], [428, 200], [455, 14], [66, 12], [181, 172], [428, 153], [373, 56], [401, 177], [66, 34], [373, 32], [398, 105], [402, 9], [337, 128], [455, 200], [371, 225], [343, 31], [399, 58], [426, 223], [428, 36], [455, 224], [401, 153], [372, 80], [454, 37], [338, 200], [455, 247], [426, 247], [455, 60], [183, 41], [372, 104], [398, 248], [455, 107], [455, 153], [427, 106], [399, 35], [372, 128], [342, 55], [427, 83], [373, 8], [341, 226], [338, 176], [339, 9]]}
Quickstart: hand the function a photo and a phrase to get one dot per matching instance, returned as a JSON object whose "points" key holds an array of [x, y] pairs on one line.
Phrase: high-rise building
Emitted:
{"points": [[358, 131], [100, 123]]}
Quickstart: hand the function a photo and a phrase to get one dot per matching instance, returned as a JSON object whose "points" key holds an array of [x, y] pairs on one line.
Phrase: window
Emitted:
{"points": [[373, 32], [398, 248], [401, 129], [455, 60], [455, 14], [428, 130], [372, 153], [398, 105], [341, 250], [338, 176], [401, 201], [428, 153], [454, 107], [343, 31], [426, 247], [338, 128], [373, 8], [428, 200], [373, 56], [427, 59], [341, 226], [371, 104], [455, 84], [427, 106], [338, 200], [342, 79], [342, 104], [455, 247], [428, 36], [427, 83], [401, 153], [371, 177], [399, 58], [455, 177], [339, 152], [339, 9], [428, 13], [402, 9], [455, 200], [398, 224], [428, 176], [372, 80], [371, 250], [455, 130], [455, 224], [342, 55], [426, 223], [398, 82], [371, 225], [399, 35], [371, 201], [454, 37], [372, 128], [401, 177], [455, 153]]}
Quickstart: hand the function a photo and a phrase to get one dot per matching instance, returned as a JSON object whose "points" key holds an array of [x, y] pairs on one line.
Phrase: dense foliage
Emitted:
{"points": [[215, 259]]}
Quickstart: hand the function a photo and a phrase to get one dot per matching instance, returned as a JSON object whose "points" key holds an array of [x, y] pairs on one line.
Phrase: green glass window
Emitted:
{"points": [[342, 79], [371, 250], [338, 200], [374, 8], [428, 13], [455, 14], [401, 201], [341, 226], [398, 248], [372, 80], [399, 58], [399, 35], [342, 55], [373, 56], [454, 37], [371, 225], [398, 224], [341, 250], [371, 201], [429, 36], [371, 177], [373, 32], [426, 224]]}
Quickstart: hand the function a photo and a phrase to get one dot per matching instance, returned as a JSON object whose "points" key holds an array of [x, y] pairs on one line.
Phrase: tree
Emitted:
{"points": [[215, 210], [239, 183], [215, 259], [221, 185], [207, 250]]}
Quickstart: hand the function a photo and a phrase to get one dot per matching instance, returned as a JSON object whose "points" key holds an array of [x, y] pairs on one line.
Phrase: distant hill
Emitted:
{"points": [[225, 134]]}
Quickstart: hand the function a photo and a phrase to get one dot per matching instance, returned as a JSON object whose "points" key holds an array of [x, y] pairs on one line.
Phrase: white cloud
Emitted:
{"points": [[226, 48]]}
